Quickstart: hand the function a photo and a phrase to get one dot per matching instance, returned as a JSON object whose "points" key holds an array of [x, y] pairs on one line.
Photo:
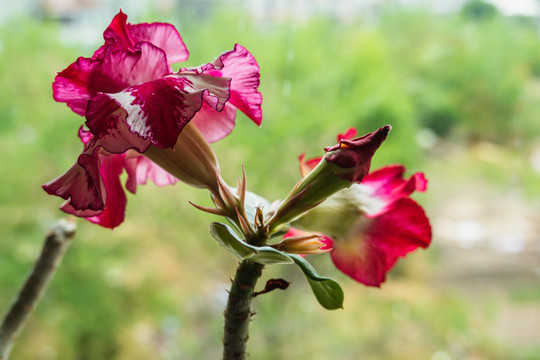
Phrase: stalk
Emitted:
{"points": [[238, 311]]}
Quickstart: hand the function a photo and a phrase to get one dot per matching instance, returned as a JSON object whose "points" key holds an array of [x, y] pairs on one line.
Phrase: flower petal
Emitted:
{"points": [[155, 111], [215, 125], [347, 135], [373, 248], [240, 65], [107, 121], [307, 165], [111, 167], [121, 68], [117, 33], [130, 164], [126, 36], [401, 230], [72, 85], [92, 187], [116, 70], [386, 186], [361, 260], [295, 232], [147, 169], [164, 36], [81, 185], [242, 69]]}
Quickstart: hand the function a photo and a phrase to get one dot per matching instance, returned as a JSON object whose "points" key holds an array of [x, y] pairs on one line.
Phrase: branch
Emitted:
{"points": [[56, 244]]}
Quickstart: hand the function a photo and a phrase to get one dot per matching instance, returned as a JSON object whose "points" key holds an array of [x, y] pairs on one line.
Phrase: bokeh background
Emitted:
{"points": [[458, 81]]}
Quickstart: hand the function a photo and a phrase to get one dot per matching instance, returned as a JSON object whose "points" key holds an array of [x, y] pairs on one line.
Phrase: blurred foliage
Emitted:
{"points": [[155, 287]]}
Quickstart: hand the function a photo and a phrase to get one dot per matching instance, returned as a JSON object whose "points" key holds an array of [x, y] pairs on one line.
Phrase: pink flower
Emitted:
{"points": [[135, 104], [371, 224]]}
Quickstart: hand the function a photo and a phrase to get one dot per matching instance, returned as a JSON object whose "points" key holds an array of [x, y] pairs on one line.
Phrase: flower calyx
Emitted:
{"points": [[236, 206]]}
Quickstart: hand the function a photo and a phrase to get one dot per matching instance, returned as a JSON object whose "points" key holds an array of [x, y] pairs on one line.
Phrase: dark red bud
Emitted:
{"points": [[354, 156]]}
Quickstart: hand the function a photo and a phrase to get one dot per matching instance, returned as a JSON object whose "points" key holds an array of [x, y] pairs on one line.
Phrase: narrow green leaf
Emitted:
{"points": [[326, 290]]}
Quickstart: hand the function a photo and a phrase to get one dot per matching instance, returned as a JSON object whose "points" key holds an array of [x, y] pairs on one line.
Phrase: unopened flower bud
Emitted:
{"points": [[343, 164], [306, 245]]}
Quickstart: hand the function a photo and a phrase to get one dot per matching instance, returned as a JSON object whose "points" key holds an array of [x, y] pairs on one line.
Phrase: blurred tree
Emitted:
{"points": [[478, 10]]}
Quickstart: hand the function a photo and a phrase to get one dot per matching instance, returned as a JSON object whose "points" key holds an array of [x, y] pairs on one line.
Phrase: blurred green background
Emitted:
{"points": [[462, 92]]}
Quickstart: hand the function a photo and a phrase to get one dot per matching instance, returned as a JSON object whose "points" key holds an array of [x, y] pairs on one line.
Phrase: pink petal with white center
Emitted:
{"points": [[155, 111], [372, 250], [116, 70], [386, 186], [107, 121]]}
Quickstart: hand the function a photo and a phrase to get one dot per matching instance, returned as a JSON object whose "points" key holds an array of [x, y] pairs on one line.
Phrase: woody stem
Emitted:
{"points": [[238, 311]]}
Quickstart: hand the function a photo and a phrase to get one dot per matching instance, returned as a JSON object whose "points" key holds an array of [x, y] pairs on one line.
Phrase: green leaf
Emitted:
{"points": [[326, 290], [267, 255], [228, 238]]}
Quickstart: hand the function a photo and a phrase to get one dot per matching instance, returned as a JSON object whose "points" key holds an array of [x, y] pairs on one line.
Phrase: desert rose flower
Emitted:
{"points": [[146, 119], [370, 224]]}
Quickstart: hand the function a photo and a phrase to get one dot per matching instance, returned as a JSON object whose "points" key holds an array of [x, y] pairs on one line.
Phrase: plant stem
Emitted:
{"points": [[238, 310], [56, 244]]}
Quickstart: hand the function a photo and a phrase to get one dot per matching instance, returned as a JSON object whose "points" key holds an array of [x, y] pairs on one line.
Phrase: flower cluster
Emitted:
{"points": [[154, 123], [370, 224], [144, 118]]}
